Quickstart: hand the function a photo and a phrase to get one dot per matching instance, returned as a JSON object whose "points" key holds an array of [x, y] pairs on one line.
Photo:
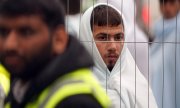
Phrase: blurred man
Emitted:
{"points": [[165, 71], [170, 20], [169, 8], [164, 56], [48, 69], [103, 32]]}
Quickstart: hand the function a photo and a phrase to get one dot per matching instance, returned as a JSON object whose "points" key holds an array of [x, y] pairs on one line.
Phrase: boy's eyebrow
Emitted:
{"points": [[108, 34], [119, 33], [102, 34]]}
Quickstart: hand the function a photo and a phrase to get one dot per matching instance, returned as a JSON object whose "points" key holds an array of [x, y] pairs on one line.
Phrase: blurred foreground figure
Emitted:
{"points": [[4, 84], [48, 68], [103, 32], [170, 20]]}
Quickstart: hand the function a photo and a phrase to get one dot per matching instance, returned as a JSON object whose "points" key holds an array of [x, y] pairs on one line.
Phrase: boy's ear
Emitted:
{"points": [[59, 40]]}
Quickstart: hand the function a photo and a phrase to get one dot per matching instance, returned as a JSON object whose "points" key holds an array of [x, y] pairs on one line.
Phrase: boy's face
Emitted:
{"points": [[169, 9], [109, 41]]}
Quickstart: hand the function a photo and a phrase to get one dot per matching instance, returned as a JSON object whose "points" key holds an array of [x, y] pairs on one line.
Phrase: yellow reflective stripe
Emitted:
{"points": [[86, 75], [4, 71], [100, 94], [8, 105], [89, 85], [41, 98], [4, 79], [67, 91], [80, 82]]}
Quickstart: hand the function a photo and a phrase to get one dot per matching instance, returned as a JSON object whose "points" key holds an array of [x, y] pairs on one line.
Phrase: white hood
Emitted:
{"points": [[125, 80], [134, 33]]}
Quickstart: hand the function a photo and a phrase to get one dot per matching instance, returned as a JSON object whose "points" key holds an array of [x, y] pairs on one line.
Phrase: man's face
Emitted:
{"points": [[169, 9], [109, 41], [24, 42]]}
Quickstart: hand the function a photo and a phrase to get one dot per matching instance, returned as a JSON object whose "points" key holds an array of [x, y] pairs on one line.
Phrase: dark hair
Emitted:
{"points": [[166, 1], [105, 15], [51, 11], [72, 6]]}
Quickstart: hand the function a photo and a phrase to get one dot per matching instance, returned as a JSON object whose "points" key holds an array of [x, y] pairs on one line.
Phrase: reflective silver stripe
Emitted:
{"points": [[2, 97]]}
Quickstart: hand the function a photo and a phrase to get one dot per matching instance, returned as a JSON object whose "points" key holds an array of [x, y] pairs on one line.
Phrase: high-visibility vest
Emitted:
{"points": [[78, 82], [4, 79]]}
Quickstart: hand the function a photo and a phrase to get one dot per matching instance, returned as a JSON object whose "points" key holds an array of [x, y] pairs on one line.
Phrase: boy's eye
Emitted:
{"points": [[102, 38], [119, 37]]}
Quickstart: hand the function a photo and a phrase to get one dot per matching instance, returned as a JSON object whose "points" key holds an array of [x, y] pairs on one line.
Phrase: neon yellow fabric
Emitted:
{"points": [[77, 82], [37, 103], [4, 79], [8, 105], [65, 92], [89, 86]]}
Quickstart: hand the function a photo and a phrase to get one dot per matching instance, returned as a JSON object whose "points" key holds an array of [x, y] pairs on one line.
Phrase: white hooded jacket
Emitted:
{"points": [[125, 85]]}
